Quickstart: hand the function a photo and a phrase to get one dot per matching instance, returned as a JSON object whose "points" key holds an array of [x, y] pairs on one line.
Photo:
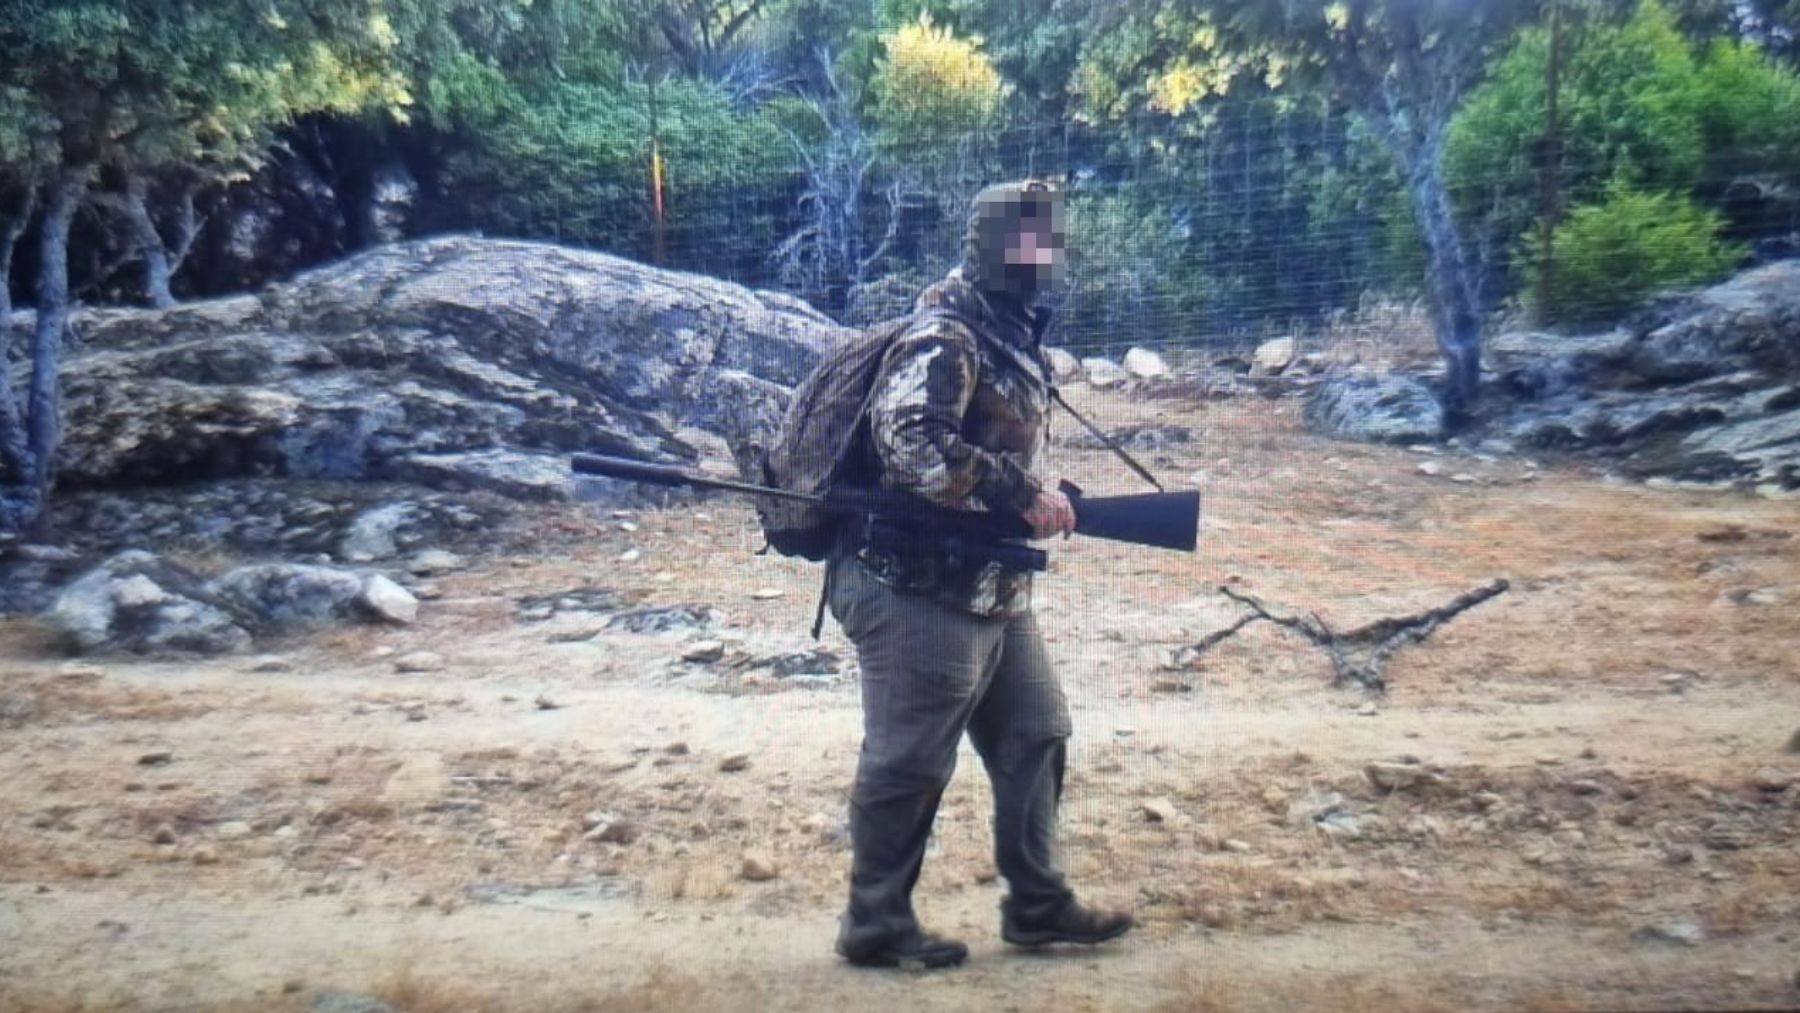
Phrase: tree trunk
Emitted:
{"points": [[149, 242], [44, 426], [13, 452], [1450, 280]]}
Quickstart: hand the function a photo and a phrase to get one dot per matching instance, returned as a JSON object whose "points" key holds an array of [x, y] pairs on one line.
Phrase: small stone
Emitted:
{"points": [[1430, 468], [704, 651], [627, 526], [735, 762], [205, 854], [630, 556], [1159, 810], [544, 703], [1771, 779], [1394, 776], [155, 759], [1368, 710], [1675, 933], [759, 868], [676, 749], [434, 561], [419, 661], [232, 830], [292, 985], [1487, 800], [416, 714], [1170, 686], [389, 601], [614, 832], [1274, 799], [271, 663], [768, 593], [1464, 478], [1586, 787], [1236, 846]]}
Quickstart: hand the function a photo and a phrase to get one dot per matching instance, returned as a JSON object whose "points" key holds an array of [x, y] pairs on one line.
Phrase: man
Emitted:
{"points": [[957, 415]]}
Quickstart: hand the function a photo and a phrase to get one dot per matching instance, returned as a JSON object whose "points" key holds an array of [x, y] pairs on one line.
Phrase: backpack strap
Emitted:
{"points": [[1109, 442]]}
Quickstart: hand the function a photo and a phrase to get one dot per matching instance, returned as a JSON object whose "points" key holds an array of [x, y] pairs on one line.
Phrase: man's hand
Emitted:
{"points": [[1051, 514]]}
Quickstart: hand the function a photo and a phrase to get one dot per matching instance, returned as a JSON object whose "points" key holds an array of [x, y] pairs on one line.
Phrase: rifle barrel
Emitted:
{"points": [[669, 475]]}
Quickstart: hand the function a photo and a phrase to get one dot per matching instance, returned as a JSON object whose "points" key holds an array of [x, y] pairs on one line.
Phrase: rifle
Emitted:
{"points": [[1168, 520]]}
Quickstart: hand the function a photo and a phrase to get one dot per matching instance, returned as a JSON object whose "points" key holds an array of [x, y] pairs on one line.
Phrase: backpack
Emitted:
{"points": [[820, 437]]}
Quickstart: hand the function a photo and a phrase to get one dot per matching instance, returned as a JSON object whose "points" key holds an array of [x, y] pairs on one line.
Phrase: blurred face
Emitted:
{"points": [[1035, 250]]}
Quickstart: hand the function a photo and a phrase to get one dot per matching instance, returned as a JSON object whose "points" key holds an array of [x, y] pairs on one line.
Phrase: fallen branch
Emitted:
{"points": [[1361, 653]]}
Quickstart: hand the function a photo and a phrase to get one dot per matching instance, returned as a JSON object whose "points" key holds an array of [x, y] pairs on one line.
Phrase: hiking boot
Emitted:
{"points": [[915, 951], [1070, 923]]}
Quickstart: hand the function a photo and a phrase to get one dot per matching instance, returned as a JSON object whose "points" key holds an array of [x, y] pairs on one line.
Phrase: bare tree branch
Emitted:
{"points": [[1360, 654]]}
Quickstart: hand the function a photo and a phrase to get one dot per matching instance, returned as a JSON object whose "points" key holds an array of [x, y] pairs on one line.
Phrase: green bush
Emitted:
{"points": [[1130, 277], [1611, 254]]}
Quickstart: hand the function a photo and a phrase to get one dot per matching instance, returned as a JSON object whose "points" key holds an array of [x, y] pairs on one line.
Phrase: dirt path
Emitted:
{"points": [[1580, 802]]}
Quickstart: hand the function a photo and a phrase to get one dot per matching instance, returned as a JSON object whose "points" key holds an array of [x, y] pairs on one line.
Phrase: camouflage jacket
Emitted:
{"points": [[958, 418]]}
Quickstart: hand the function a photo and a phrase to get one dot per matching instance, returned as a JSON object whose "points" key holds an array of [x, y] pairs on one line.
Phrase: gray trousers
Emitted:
{"points": [[930, 673]]}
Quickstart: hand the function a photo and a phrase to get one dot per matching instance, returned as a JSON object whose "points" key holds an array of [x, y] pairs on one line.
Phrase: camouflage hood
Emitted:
{"points": [[995, 215]]}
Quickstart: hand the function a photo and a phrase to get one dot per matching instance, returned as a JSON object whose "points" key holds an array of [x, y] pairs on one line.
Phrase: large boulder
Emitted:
{"points": [[1384, 408], [139, 603], [457, 362], [292, 596], [1703, 386]]}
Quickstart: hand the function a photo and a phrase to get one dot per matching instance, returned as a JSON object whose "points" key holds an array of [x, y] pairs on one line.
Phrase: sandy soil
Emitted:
{"points": [[1597, 818]]}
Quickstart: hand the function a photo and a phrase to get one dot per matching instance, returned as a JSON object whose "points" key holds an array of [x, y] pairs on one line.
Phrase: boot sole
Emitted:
{"points": [[935, 962], [1038, 940]]}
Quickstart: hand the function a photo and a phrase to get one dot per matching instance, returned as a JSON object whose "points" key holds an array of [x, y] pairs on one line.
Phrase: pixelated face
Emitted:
{"points": [[1034, 237]]}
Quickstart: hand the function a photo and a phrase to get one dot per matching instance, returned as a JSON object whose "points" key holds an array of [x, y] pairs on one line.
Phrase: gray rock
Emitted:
{"points": [[669, 619], [1145, 364], [1273, 357], [348, 1002], [1395, 776], [460, 361], [1671, 933], [419, 661], [432, 562], [139, 603], [1103, 372], [1063, 366], [389, 601], [292, 596], [1390, 409], [372, 535]]}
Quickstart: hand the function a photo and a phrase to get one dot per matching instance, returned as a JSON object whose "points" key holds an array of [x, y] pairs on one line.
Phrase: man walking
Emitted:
{"points": [[948, 646]]}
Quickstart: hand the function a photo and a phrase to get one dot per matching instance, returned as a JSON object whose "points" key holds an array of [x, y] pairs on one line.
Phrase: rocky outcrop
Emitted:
{"points": [[1378, 407], [1702, 387], [139, 603], [452, 362]]}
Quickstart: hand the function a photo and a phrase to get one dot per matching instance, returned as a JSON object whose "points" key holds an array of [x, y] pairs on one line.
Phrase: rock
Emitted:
{"points": [[1237, 847], [232, 830], [292, 596], [373, 534], [1274, 798], [671, 619], [387, 600], [1430, 468], [455, 360], [545, 703], [348, 1002], [156, 759], [1064, 367], [416, 662], [163, 834], [615, 831], [1771, 779], [735, 762], [1395, 776], [1273, 357], [1145, 364], [1368, 710], [818, 661], [1673, 933], [432, 562], [767, 593], [1391, 409], [759, 868], [139, 603], [1103, 373], [205, 854], [677, 749], [704, 651], [269, 663], [1159, 810], [1793, 742]]}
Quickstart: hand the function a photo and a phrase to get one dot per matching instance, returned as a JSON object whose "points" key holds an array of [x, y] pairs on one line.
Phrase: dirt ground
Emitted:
{"points": [[1585, 807]]}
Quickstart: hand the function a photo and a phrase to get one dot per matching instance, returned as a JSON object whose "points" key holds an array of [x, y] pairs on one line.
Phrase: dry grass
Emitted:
{"points": [[658, 988], [1385, 991]]}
